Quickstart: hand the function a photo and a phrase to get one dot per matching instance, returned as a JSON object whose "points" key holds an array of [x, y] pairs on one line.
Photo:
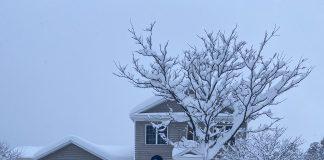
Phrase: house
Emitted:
{"points": [[149, 145], [75, 148]]}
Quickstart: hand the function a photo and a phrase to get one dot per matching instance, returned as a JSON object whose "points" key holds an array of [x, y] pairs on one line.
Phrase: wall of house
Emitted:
{"points": [[164, 107], [146, 151], [70, 152]]}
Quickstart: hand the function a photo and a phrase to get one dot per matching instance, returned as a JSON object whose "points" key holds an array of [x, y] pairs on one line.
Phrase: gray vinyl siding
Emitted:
{"points": [[145, 151], [164, 107], [71, 152]]}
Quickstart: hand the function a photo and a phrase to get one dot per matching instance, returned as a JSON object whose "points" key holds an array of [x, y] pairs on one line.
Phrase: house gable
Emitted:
{"points": [[164, 107], [76, 148], [186, 154], [83, 144], [71, 151], [156, 109]]}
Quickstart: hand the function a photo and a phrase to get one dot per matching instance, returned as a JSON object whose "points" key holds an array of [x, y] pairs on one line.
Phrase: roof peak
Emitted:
{"points": [[105, 152], [148, 103]]}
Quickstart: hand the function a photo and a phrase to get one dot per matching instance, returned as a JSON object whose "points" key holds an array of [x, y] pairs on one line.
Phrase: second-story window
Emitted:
{"points": [[190, 133], [153, 135], [219, 129], [150, 137]]}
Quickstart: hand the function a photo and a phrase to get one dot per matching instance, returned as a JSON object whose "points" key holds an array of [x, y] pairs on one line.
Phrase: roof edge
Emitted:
{"points": [[147, 104], [64, 142]]}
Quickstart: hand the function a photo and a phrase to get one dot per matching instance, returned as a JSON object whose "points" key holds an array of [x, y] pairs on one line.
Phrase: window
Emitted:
{"points": [[150, 135], [231, 141], [190, 133], [153, 135], [156, 157], [219, 129], [163, 131], [228, 127]]}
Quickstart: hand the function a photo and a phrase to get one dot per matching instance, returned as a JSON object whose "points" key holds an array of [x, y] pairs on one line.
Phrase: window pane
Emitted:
{"points": [[232, 141], [228, 128], [150, 135], [220, 128], [190, 135], [160, 139]]}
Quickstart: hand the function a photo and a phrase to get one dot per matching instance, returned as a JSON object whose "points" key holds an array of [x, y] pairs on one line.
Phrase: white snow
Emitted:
{"points": [[155, 100], [117, 152], [106, 152], [182, 153]]}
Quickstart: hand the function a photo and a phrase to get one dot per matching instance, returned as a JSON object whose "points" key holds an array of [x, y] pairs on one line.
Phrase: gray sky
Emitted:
{"points": [[56, 61]]}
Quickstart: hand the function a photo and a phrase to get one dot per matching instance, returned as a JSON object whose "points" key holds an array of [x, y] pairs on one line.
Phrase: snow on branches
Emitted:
{"points": [[224, 74], [7, 153], [265, 145]]}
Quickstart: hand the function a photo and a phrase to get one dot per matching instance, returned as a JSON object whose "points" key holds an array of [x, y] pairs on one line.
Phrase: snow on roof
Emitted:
{"points": [[180, 153], [178, 116], [118, 152], [151, 102], [102, 151], [186, 149]]}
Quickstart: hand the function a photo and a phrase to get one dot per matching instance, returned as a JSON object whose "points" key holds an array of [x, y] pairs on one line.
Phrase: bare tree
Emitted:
{"points": [[8, 153], [223, 74], [265, 145]]}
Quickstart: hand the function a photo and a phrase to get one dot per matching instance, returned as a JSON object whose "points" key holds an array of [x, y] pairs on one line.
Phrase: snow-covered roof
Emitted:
{"points": [[181, 153], [147, 104], [136, 112], [105, 152], [186, 150], [178, 116]]}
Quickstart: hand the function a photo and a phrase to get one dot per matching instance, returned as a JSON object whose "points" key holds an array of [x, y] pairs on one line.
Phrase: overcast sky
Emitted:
{"points": [[56, 61]]}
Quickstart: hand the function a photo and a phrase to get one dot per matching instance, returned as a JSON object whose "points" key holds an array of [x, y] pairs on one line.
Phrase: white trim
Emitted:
{"points": [[166, 116], [149, 103], [156, 116], [156, 135]]}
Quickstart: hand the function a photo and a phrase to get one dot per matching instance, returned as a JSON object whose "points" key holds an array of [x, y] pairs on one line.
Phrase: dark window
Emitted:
{"points": [[153, 136], [228, 128], [160, 138], [190, 133], [156, 157], [150, 135], [231, 141], [219, 129]]}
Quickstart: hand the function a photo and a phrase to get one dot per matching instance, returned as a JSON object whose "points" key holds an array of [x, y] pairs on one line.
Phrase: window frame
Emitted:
{"points": [[156, 135], [223, 128], [193, 134], [145, 138]]}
